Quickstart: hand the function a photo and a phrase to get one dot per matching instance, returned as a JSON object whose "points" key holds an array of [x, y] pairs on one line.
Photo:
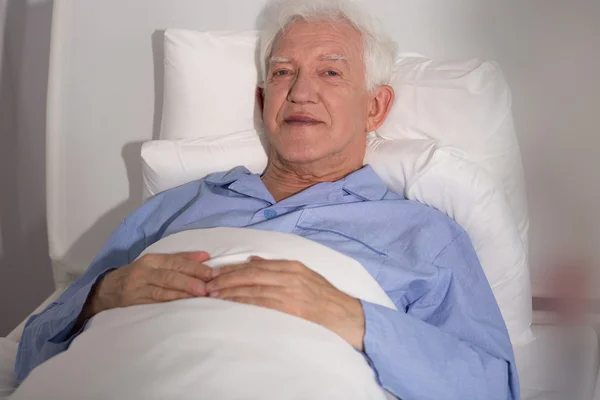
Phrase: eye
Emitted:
{"points": [[331, 73], [281, 72]]}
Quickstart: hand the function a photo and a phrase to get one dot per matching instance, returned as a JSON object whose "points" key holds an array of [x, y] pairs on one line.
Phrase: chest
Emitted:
{"points": [[392, 239]]}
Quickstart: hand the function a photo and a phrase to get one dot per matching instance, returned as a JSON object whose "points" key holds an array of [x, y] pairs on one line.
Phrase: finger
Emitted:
{"points": [[157, 294], [198, 256], [260, 302], [173, 280], [269, 292], [271, 265], [228, 269], [144, 300], [187, 267], [250, 276], [289, 266]]}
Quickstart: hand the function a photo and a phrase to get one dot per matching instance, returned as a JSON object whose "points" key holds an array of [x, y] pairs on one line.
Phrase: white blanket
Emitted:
{"points": [[213, 349], [8, 354]]}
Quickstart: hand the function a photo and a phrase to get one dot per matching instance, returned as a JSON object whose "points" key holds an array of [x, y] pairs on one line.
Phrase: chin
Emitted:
{"points": [[300, 156], [301, 153], [301, 148]]}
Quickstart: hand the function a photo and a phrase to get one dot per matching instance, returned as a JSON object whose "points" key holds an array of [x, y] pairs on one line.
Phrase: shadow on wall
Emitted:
{"points": [[82, 251], [25, 269]]}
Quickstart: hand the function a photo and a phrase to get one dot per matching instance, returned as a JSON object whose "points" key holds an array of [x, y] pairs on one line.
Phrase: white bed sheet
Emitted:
{"points": [[8, 354], [557, 365]]}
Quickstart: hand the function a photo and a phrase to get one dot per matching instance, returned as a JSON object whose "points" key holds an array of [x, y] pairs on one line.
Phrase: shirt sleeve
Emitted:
{"points": [[51, 332], [451, 343]]}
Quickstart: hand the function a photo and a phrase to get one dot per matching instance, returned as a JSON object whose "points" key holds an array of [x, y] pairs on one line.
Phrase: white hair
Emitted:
{"points": [[379, 48]]}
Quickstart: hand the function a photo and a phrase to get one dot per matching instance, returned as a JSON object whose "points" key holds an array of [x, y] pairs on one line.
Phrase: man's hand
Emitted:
{"points": [[153, 278], [291, 287]]}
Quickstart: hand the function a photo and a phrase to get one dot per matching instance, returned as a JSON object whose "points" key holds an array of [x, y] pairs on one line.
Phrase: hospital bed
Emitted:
{"points": [[105, 100]]}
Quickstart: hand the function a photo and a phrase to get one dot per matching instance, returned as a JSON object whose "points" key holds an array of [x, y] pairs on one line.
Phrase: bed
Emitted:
{"points": [[105, 100]]}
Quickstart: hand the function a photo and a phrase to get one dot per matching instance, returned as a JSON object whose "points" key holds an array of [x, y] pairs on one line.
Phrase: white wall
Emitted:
{"points": [[25, 272], [550, 53]]}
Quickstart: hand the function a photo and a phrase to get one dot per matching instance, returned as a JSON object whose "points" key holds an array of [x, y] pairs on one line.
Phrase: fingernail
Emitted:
{"points": [[200, 289], [199, 256], [256, 258], [214, 294]]}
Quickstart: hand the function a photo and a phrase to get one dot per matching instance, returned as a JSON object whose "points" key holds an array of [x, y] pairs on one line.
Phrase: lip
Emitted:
{"points": [[301, 119]]}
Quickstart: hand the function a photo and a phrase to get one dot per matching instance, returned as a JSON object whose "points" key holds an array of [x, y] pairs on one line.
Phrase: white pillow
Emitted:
{"points": [[466, 105], [170, 163], [419, 169], [209, 83], [441, 178], [211, 77]]}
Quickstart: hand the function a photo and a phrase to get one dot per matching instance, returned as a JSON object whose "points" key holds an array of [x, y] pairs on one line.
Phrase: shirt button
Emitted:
{"points": [[270, 214]]}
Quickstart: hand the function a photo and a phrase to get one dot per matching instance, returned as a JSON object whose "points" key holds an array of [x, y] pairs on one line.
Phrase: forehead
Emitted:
{"points": [[317, 38]]}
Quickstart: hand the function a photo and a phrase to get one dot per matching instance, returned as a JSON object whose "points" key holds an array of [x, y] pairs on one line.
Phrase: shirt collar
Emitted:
{"points": [[242, 181], [226, 177], [363, 183]]}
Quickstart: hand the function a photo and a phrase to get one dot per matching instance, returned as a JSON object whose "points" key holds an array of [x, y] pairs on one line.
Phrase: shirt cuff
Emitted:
{"points": [[51, 332], [377, 341], [75, 306]]}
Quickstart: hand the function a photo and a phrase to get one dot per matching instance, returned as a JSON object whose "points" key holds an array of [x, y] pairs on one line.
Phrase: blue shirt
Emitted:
{"points": [[448, 339]]}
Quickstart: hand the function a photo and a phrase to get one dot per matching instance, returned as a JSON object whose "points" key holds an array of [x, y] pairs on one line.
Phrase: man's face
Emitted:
{"points": [[315, 98]]}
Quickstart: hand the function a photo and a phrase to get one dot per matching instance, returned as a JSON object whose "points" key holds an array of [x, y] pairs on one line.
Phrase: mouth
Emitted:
{"points": [[302, 120]]}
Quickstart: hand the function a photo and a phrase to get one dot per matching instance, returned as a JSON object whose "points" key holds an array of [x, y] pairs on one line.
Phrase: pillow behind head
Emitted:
{"points": [[170, 163], [210, 86]]}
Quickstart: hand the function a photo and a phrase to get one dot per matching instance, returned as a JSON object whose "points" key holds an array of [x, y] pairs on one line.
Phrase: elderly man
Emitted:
{"points": [[326, 67]]}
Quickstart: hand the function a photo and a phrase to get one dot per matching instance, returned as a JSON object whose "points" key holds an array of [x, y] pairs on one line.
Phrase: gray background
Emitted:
{"points": [[25, 272]]}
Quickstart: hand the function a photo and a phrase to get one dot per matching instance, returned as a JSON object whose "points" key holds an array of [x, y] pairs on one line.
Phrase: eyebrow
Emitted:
{"points": [[324, 57], [334, 57], [279, 60]]}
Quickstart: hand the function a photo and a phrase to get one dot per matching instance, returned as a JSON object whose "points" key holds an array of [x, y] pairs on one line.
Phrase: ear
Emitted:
{"points": [[260, 98], [380, 103]]}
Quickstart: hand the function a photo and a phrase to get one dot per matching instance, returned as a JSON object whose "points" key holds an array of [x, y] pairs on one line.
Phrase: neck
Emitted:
{"points": [[284, 179]]}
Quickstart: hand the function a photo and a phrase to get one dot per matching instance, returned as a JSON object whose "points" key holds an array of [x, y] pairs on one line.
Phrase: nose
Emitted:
{"points": [[304, 90]]}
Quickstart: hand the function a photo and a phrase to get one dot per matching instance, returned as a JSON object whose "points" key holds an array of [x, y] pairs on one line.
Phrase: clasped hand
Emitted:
{"points": [[283, 285]]}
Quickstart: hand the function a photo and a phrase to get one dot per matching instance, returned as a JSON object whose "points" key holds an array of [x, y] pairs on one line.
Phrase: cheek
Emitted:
{"points": [[274, 101], [346, 110]]}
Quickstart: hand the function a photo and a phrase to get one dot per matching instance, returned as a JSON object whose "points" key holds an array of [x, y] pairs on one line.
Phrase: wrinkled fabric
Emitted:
{"points": [[447, 340]]}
